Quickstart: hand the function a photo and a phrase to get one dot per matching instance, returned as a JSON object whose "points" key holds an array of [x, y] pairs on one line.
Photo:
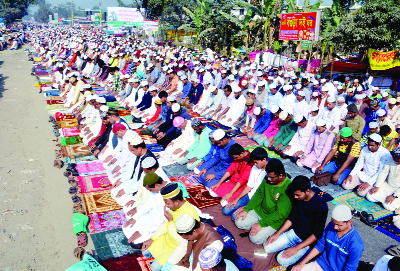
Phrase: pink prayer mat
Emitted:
{"points": [[187, 180], [94, 183], [66, 132], [106, 221], [245, 142], [95, 166]]}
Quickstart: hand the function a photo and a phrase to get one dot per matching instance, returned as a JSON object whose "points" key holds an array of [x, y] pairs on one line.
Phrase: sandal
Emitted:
{"points": [[356, 214], [73, 190], [82, 239], [77, 208], [73, 183], [394, 251], [71, 166], [76, 199], [56, 132], [58, 163], [52, 119], [368, 219]]}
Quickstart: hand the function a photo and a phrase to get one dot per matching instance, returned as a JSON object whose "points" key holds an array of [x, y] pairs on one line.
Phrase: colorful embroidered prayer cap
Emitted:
{"points": [[209, 257], [346, 132], [170, 191], [396, 152], [151, 177], [135, 140], [195, 122], [118, 127], [184, 223], [249, 102]]}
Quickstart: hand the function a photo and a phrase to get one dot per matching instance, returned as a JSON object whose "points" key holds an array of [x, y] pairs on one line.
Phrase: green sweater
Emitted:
{"points": [[285, 134], [271, 204], [201, 145]]}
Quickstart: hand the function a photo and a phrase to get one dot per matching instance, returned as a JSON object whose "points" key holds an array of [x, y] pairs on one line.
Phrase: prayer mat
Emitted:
{"points": [[54, 106], [145, 263], [124, 263], [127, 117], [69, 123], [55, 98], [106, 221], [385, 225], [172, 169], [83, 159], [99, 202], [148, 139], [111, 244], [278, 268], [201, 198], [188, 180], [272, 154], [245, 248], [88, 167], [75, 150], [94, 183], [63, 116], [362, 204], [100, 92], [204, 119], [70, 140], [155, 147], [124, 112], [115, 105], [67, 132], [54, 101], [245, 142]]}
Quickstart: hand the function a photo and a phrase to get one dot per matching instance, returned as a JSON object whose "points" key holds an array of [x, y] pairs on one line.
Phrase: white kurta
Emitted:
{"points": [[301, 138], [183, 142], [287, 103]]}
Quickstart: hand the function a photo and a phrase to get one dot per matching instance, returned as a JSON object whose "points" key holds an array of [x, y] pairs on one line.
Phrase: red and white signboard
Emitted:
{"points": [[300, 26]]}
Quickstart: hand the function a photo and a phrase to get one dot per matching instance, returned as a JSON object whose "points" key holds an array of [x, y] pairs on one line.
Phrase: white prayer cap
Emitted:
{"points": [[359, 97], [223, 71], [121, 76], [101, 100], [234, 72], [336, 82], [244, 82], [86, 93], [272, 86], [241, 72], [201, 70], [104, 108], [133, 80], [253, 81], [375, 88], [339, 87], [298, 86], [252, 90], [315, 108], [180, 73], [341, 213], [323, 81], [135, 140], [274, 108], [331, 100], [126, 76], [171, 98], [196, 81], [185, 223], [286, 88], [136, 60], [270, 78], [148, 162], [340, 99], [347, 78], [381, 112], [359, 88], [205, 82], [219, 134], [261, 84], [183, 77], [298, 118], [259, 73], [257, 111], [385, 94], [316, 82], [236, 89], [165, 68], [170, 71], [231, 77], [315, 94], [301, 93], [321, 122], [283, 115], [373, 125], [175, 107], [144, 83], [211, 88], [208, 67], [392, 101], [286, 75]]}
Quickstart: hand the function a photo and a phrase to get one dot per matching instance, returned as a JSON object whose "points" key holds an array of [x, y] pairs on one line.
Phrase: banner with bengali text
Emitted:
{"points": [[124, 15], [300, 26], [380, 61]]}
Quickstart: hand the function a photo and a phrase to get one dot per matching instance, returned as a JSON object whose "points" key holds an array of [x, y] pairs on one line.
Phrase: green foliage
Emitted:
{"points": [[375, 25], [14, 9], [43, 12]]}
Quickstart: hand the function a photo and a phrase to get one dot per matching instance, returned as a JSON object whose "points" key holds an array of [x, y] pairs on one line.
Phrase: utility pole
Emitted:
{"points": [[72, 12], [100, 15]]}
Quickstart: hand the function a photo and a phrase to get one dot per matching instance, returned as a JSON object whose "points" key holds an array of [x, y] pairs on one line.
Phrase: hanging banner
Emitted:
{"points": [[55, 16], [300, 26], [306, 45], [123, 15], [380, 61], [149, 25]]}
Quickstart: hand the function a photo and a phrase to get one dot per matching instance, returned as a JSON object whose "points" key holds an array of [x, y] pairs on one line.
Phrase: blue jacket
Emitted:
{"points": [[222, 160], [146, 101], [196, 94], [339, 253], [186, 90], [263, 122], [171, 117]]}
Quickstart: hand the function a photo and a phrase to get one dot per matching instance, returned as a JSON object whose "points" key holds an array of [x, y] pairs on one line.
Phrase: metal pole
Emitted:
{"points": [[101, 15], [72, 12]]}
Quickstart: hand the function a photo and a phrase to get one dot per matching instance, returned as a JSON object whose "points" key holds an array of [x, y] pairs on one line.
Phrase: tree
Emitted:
{"points": [[375, 25], [14, 9], [43, 12]]}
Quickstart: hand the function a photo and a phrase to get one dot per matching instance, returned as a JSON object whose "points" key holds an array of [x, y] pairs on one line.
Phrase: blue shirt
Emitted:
{"points": [[186, 90], [183, 114], [222, 160], [339, 253], [372, 116], [272, 100], [263, 122], [164, 110], [155, 73], [196, 94]]}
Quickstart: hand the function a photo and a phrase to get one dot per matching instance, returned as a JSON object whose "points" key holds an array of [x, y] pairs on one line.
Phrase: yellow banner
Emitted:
{"points": [[380, 61]]}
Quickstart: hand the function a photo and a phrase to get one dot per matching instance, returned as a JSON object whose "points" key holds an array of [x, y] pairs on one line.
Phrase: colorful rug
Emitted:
{"points": [[145, 263], [124, 112], [54, 106], [55, 98], [362, 204], [188, 180], [54, 101], [70, 123], [127, 117], [111, 244], [67, 132], [100, 222], [385, 225], [201, 198], [94, 183], [90, 167], [100, 202], [75, 150], [83, 159], [124, 263], [70, 140], [148, 139], [155, 147], [115, 104], [246, 142]]}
